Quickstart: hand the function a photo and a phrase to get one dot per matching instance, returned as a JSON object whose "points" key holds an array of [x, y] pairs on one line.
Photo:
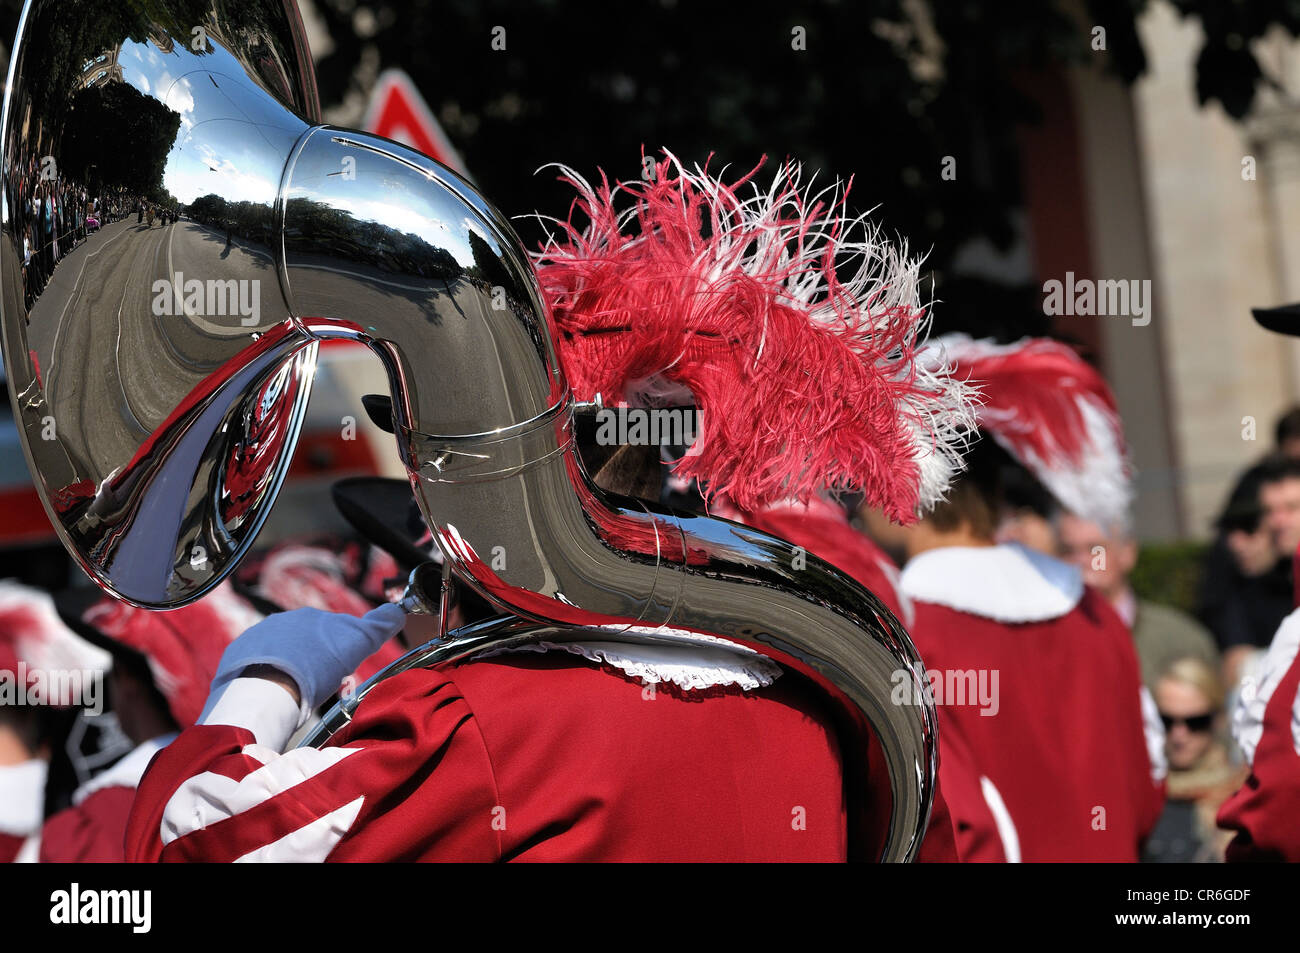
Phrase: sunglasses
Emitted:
{"points": [[1199, 724]]}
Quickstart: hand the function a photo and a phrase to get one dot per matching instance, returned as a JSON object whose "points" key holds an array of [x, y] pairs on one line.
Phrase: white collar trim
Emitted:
{"points": [[128, 770], [1006, 583], [709, 663], [22, 797]]}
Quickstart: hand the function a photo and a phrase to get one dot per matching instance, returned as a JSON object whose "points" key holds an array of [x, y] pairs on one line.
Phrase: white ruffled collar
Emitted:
{"points": [[708, 663], [1006, 583]]}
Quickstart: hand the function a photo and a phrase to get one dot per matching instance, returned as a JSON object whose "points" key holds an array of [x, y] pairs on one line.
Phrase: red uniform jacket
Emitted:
{"points": [[526, 757], [91, 832], [823, 530], [93, 829], [1045, 753], [10, 845], [1266, 811]]}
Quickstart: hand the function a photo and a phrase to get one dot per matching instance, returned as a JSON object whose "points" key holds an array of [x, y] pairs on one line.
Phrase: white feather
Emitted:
{"points": [[773, 231]]}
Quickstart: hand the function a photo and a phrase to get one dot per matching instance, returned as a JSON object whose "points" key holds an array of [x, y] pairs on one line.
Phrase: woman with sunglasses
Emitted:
{"points": [[1190, 697]]}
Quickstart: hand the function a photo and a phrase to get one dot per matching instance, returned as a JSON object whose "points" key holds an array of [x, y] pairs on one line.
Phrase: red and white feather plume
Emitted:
{"points": [[1054, 414], [183, 647], [794, 327], [32, 632]]}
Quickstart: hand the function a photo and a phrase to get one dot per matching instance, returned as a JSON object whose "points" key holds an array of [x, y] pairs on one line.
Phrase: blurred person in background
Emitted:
{"points": [[1106, 556], [1246, 588], [1279, 495], [1247, 579], [1266, 712], [162, 665], [1287, 434], [24, 765], [1063, 730], [35, 647], [1028, 511], [1069, 725], [1190, 697]]}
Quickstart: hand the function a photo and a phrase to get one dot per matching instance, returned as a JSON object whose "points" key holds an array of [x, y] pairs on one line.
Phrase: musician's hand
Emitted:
{"points": [[314, 649]]}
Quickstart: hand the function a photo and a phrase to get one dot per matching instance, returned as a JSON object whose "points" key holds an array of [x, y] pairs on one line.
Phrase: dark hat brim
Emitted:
{"points": [[382, 510], [379, 408], [1282, 320]]}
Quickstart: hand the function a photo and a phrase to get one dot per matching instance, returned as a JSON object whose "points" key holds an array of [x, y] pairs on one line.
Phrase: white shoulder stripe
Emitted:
{"points": [[1002, 818], [310, 844], [207, 798]]}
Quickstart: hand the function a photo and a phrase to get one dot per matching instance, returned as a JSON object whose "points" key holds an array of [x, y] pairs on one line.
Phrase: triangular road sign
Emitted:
{"points": [[398, 111]]}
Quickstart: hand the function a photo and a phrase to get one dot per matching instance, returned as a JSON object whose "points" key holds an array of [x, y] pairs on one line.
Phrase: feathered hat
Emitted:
{"points": [[32, 633], [182, 647], [1053, 413], [794, 328]]}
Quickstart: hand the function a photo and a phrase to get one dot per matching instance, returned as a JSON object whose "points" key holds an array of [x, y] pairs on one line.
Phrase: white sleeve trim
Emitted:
{"points": [[1002, 818], [1154, 731], [1257, 690], [262, 707], [30, 852]]}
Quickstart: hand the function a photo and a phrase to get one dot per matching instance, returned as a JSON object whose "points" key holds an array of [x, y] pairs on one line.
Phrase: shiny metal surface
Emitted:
{"points": [[172, 432], [158, 426]]}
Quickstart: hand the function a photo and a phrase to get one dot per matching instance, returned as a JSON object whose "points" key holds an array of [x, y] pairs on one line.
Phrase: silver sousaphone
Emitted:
{"points": [[159, 375]]}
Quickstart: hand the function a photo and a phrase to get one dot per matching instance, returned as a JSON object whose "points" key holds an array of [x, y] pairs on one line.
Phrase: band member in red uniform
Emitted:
{"points": [[1266, 726], [1266, 722], [1035, 677], [604, 751], [163, 663], [37, 653]]}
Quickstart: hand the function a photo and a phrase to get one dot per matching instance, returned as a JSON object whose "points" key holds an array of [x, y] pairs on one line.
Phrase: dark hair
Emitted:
{"points": [[28, 722], [992, 481], [1277, 469], [966, 503], [127, 661], [1243, 512], [1288, 426]]}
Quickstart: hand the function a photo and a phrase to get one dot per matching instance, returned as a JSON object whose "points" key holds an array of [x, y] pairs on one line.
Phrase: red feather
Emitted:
{"points": [[803, 380], [1054, 413]]}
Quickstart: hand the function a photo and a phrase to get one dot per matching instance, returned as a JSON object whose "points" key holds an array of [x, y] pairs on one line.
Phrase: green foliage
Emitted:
{"points": [[1169, 573], [102, 121]]}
